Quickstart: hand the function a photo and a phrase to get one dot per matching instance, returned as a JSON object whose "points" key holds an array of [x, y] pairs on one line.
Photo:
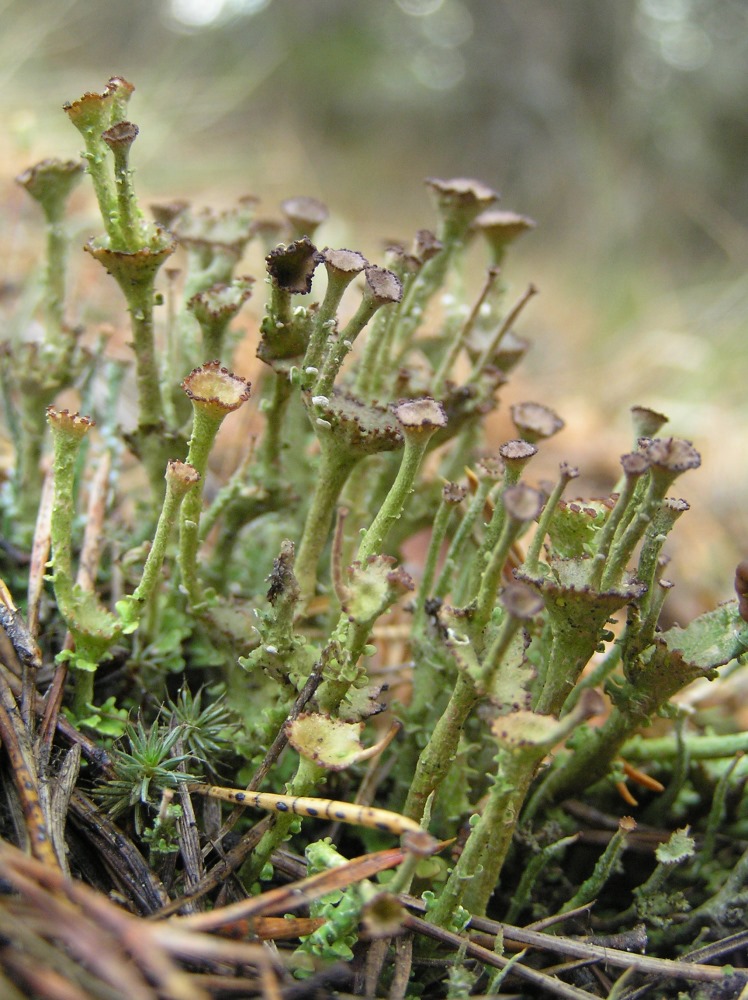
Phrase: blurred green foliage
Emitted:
{"points": [[621, 123]]}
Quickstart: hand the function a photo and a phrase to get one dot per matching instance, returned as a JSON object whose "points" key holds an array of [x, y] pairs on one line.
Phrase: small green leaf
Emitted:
{"points": [[711, 640], [679, 848], [373, 586], [526, 729], [77, 661], [330, 743], [129, 612]]}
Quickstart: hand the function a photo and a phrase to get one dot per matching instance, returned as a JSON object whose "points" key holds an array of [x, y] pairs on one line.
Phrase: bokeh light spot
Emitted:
{"points": [[438, 69], [685, 46], [196, 13], [666, 10], [451, 25], [191, 15], [419, 8]]}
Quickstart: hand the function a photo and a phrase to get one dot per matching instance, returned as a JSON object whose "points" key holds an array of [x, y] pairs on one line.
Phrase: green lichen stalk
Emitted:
{"points": [[530, 666], [214, 392]]}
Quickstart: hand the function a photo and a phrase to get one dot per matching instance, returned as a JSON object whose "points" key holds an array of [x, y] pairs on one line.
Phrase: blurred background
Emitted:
{"points": [[620, 127]]}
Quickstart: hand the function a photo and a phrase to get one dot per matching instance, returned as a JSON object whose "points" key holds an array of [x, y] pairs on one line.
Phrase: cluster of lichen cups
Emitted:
{"points": [[499, 639]]}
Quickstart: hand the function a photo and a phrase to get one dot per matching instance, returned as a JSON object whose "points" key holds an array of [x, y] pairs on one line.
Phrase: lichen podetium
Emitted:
{"points": [[348, 603]]}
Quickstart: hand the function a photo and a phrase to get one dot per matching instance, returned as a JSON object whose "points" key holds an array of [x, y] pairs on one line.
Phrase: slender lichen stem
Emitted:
{"points": [[373, 368], [204, 430], [61, 526], [28, 479], [332, 472], [176, 487], [569, 653], [418, 293], [227, 494], [531, 563], [595, 677], [271, 455], [129, 218], [392, 508], [711, 747], [491, 532], [474, 877], [496, 829], [497, 650], [491, 577], [50, 183], [146, 365], [604, 867], [91, 627], [626, 542], [135, 273], [437, 756], [607, 534], [352, 637], [342, 267], [461, 536], [308, 776], [438, 534], [54, 281], [533, 870], [492, 347], [339, 347], [458, 341], [98, 169]]}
